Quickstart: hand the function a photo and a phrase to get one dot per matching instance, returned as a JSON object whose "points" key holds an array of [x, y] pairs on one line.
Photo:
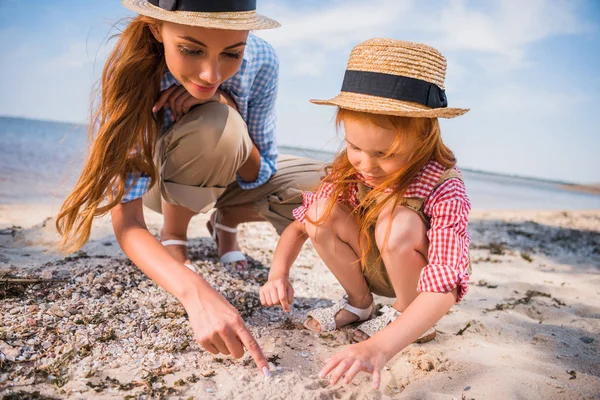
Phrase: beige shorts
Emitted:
{"points": [[375, 272], [197, 161]]}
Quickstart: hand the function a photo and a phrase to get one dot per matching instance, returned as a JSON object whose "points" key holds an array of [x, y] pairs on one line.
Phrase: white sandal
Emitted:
{"points": [[389, 315], [177, 242], [326, 316], [231, 257]]}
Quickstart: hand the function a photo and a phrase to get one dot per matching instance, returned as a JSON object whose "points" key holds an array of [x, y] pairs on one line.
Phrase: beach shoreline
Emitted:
{"points": [[98, 328]]}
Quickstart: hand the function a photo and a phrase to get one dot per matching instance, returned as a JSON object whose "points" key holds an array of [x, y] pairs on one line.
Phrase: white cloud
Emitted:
{"points": [[505, 31], [498, 36], [307, 40]]}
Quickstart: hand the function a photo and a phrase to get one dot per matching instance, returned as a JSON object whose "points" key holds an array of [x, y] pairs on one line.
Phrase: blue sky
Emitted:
{"points": [[527, 69]]}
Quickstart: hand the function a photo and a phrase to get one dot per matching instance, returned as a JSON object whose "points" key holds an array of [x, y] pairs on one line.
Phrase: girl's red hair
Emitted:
{"points": [[342, 173]]}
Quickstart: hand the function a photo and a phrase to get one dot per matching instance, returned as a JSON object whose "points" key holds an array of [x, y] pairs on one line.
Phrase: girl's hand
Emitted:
{"points": [[219, 328], [277, 290], [364, 356], [179, 100]]}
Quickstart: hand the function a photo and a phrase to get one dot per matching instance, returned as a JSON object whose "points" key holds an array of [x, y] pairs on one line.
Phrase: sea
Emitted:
{"points": [[40, 162]]}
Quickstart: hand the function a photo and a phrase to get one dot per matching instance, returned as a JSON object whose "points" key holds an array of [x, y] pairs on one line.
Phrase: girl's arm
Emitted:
{"points": [[424, 312], [216, 324], [372, 354], [278, 289], [290, 243]]}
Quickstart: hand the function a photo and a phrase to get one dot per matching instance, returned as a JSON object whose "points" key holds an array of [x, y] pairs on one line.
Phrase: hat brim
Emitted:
{"points": [[385, 106], [240, 21]]}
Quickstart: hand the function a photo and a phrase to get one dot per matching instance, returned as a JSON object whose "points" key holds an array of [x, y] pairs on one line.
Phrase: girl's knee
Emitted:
{"points": [[314, 215], [400, 230], [320, 220]]}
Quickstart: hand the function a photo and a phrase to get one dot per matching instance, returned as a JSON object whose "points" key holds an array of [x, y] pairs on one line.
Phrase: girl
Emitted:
{"points": [[391, 216], [147, 134]]}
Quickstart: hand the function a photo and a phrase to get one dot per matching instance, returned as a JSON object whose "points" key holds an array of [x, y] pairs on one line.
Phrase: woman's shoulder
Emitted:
{"points": [[261, 52]]}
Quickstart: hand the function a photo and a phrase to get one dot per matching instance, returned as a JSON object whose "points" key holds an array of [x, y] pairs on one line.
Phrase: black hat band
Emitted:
{"points": [[395, 87], [205, 5]]}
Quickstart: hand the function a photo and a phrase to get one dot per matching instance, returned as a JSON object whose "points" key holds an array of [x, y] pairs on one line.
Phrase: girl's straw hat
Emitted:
{"points": [[393, 77], [218, 14]]}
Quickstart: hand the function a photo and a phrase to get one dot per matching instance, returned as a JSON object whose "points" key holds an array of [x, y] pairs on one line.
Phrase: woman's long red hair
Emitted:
{"points": [[123, 131]]}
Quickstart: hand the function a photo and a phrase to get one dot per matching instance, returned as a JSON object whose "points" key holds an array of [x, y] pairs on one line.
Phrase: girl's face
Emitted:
{"points": [[201, 58], [368, 147]]}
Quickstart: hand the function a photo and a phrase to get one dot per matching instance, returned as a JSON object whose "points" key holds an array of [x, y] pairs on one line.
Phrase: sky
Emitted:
{"points": [[528, 70]]}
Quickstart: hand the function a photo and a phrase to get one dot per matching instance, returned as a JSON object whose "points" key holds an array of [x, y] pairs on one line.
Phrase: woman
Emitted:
{"points": [[193, 66]]}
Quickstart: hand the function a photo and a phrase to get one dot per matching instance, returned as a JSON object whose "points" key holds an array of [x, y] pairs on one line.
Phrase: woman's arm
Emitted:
{"points": [[217, 325], [149, 255]]}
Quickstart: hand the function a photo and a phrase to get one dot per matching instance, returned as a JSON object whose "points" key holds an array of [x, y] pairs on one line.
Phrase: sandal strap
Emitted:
{"points": [[372, 326], [174, 242], [326, 316], [362, 313], [224, 228], [190, 266], [232, 257]]}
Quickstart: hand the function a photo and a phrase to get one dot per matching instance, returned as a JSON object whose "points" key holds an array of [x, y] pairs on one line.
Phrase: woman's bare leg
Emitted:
{"points": [[336, 241], [232, 217], [404, 254], [175, 225], [177, 220]]}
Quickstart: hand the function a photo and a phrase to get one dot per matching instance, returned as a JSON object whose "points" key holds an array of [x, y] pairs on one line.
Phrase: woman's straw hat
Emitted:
{"points": [[218, 14], [393, 77]]}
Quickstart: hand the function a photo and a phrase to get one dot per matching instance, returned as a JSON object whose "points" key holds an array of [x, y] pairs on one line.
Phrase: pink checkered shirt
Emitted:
{"points": [[448, 207]]}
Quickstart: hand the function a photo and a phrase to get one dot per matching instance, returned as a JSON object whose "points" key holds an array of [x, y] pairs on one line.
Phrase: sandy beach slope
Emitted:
{"points": [[96, 327]]}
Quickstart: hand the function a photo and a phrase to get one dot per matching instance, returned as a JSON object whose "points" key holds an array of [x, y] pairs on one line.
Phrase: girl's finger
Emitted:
{"points": [[290, 294], [331, 364], [376, 378], [351, 373], [261, 294], [268, 297], [282, 296], [340, 370]]}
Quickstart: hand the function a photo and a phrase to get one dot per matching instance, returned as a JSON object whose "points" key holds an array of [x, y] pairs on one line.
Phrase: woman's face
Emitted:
{"points": [[368, 148], [201, 58]]}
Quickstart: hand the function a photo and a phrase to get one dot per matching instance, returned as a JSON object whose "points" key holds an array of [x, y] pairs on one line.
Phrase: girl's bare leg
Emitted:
{"points": [[336, 241], [404, 254]]}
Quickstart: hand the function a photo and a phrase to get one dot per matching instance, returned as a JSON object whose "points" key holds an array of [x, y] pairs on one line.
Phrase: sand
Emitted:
{"points": [[97, 328]]}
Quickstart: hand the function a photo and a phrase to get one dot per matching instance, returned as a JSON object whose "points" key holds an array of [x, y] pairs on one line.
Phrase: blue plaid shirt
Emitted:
{"points": [[254, 90]]}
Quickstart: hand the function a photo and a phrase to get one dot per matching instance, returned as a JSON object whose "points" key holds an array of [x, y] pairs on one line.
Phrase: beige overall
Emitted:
{"points": [[375, 272]]}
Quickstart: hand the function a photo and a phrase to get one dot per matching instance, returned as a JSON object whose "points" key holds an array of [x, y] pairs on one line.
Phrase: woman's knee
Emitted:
{"points": [[208, 131], [206, 147], [400, 230]]}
